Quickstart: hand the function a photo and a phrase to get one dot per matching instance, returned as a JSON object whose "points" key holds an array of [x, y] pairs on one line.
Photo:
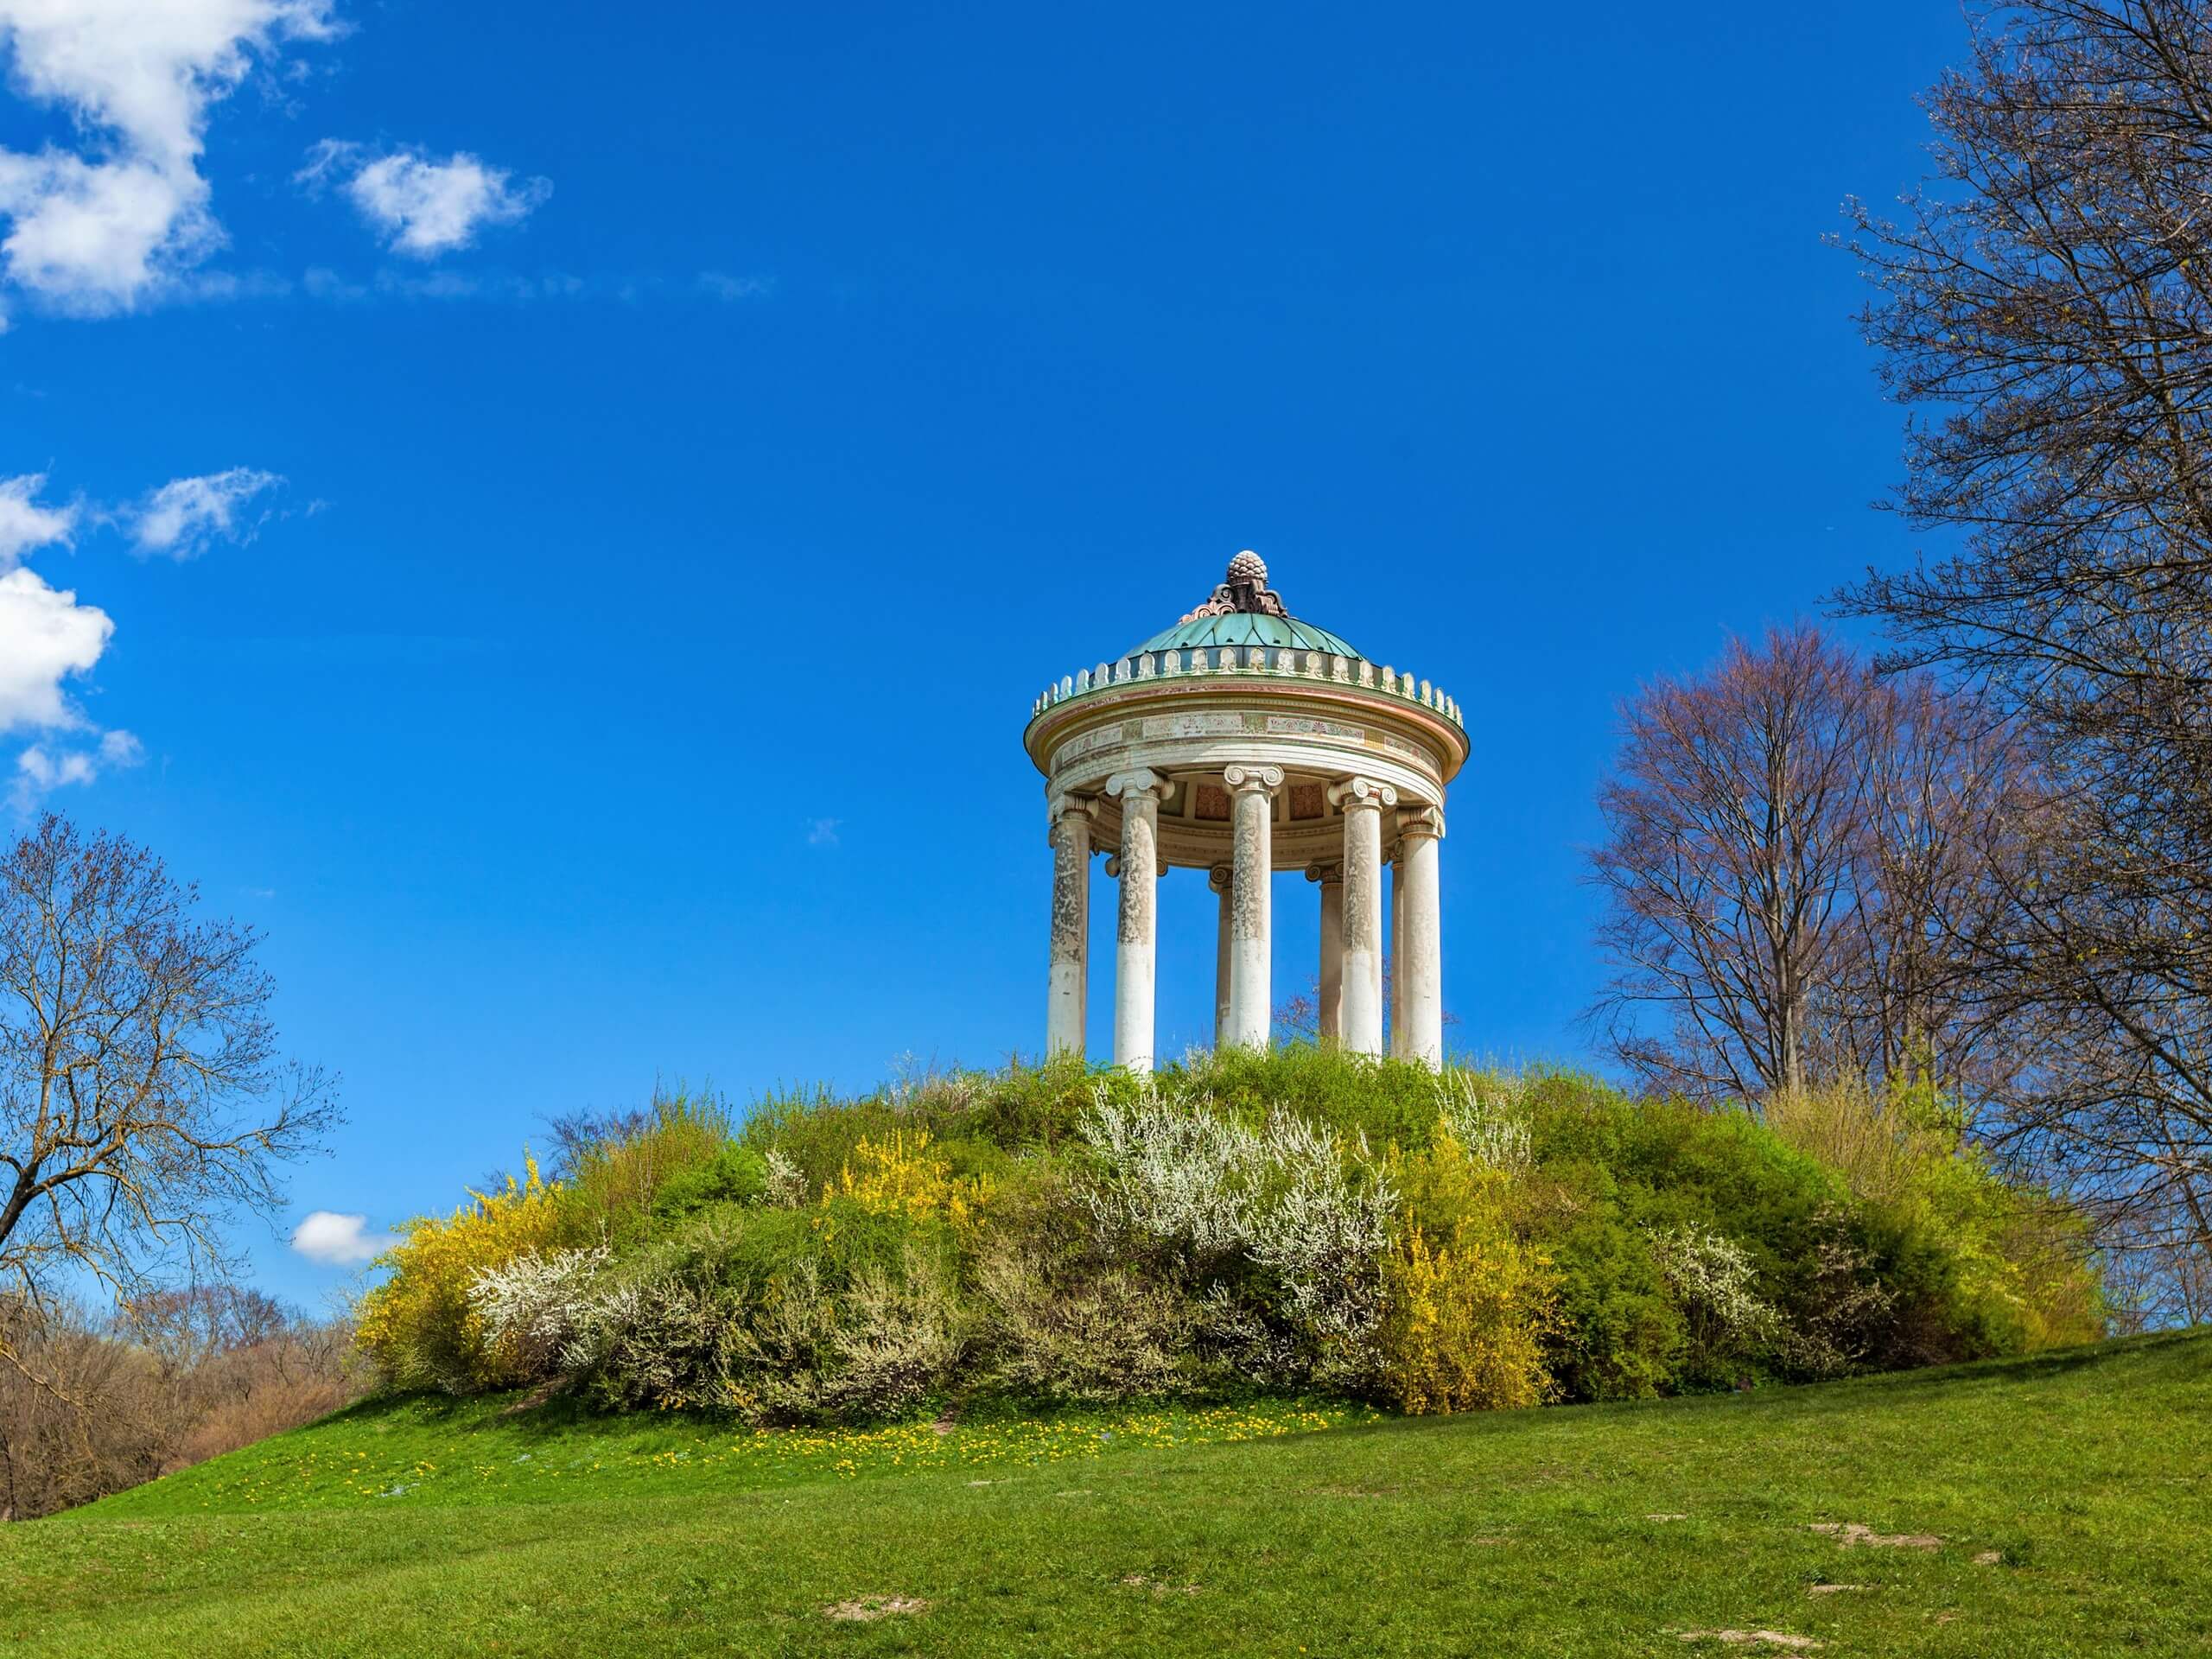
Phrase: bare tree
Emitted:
{"points": [[2048, 300], [1795, 849], [142, 1104], [95, 1406], [1950, 815]]}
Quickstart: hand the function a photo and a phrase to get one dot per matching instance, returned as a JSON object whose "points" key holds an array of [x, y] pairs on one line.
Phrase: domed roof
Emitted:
{"points": [[1246, 628], [1245, 610]]}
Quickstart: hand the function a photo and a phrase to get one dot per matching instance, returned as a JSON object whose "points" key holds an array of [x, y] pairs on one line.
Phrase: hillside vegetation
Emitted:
{"points": [[2053, 1506], [1239, 1227]]}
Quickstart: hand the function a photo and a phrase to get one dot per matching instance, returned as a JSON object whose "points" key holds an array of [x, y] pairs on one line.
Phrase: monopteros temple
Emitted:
{"points": [[1242, 742]]}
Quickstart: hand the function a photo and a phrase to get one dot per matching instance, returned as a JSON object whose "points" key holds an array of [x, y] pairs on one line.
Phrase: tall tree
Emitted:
{"points": [[142, 1102], [2047, 298], [1794, 845]]}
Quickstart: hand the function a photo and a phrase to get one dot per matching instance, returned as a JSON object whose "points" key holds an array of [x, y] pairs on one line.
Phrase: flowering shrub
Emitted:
{"points": [[1467, 1305], [542, 1311], [1730, 1326], [1464, 1330], [1484, 1118], [903, 1176], [1108, 1334], [1301, 1221], [1309, 1216], [785, 1187], [832, 1314], [421, 1326]]}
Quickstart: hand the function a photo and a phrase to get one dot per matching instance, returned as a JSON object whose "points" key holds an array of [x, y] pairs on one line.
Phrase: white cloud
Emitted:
{"points": [[45, 636], [339, 1240], [42, 769], [178, 519], [822, 832], [25, 526], [104, 231], [424, 207], [720, 285]]}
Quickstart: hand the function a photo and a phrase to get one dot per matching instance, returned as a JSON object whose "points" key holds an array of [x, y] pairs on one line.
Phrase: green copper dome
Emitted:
{"points": [[1246, 628]]}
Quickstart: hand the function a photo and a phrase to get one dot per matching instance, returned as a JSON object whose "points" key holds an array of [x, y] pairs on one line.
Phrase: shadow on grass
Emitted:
{"points": [[2155, 1360]]}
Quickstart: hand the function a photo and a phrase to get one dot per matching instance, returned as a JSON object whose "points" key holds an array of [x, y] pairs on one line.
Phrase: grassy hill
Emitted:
{"points": [[2053, 1506]]}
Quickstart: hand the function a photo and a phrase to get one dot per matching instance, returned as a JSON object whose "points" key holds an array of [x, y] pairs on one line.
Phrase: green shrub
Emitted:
{"points": [[1091, 1333], [617, 1181], [1977, 1265], [733, 1174], [836, 1313], [1619, 1332]]}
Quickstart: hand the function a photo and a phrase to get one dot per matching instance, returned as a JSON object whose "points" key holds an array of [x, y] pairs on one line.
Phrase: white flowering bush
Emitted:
{"points": [[542, 1311], [1172, 1173], [787, 1187], [1487, 1119], [1309, 1212], [1714, 1281]]}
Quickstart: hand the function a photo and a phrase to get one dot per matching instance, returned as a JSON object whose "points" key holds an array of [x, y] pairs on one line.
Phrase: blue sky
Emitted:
{"points": [[584, 501]]}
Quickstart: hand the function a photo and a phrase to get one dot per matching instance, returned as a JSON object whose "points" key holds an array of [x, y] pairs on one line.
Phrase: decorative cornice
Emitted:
{"points": [[1362, 792], [1354, 674]]}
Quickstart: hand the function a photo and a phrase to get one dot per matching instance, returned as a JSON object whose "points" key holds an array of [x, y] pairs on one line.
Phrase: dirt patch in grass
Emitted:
{"points": [[1831, 1589], [1782, 1639], [862, 1608], [537, 1397], [1138, 1581], [1851, 1535]]}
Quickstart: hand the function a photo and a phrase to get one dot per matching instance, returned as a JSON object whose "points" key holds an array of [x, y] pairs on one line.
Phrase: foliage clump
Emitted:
{"points": [[1305, 1223], [423, 1325]]}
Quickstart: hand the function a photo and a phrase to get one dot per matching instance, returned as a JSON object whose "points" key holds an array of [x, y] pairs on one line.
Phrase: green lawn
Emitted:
{"points": [[2071, 1496]]}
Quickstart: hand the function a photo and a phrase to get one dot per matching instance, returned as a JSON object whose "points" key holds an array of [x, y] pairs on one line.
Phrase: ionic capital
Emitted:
{"points": [[1241, 778], [1219, 877], [1326, 871], [1073, 806], [1123, 786], [1421, 820], [1362, 792]]}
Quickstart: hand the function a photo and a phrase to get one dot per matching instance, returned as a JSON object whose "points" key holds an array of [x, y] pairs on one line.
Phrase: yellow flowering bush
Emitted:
{"points": [[905, 1176], [1462, 1330], [419, 1326], [1466, 1305]]}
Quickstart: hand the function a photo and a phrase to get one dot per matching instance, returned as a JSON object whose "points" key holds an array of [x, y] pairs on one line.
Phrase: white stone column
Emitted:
{"points": [[1397, 1031], [1252, 804], [1329, 1026], [1419, 973], [1220, 880], [1363, 800], [1067, 993], [1135, 952]]}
